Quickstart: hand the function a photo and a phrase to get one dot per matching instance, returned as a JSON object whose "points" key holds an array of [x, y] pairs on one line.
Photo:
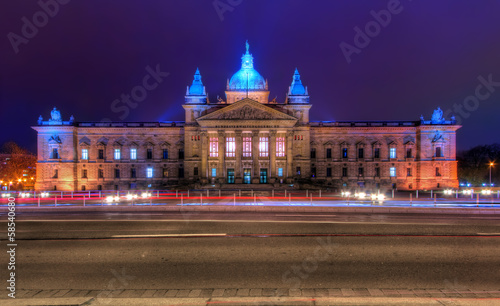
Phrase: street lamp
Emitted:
{"points": [[491, 166]]}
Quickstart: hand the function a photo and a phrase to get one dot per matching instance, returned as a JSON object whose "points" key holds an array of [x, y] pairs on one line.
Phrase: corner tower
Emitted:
{"points": [[247, 82]]}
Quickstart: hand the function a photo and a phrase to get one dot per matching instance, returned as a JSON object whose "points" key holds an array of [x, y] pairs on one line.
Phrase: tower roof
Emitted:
{"points": [[297, 89], [197, 88], [247, 78]]}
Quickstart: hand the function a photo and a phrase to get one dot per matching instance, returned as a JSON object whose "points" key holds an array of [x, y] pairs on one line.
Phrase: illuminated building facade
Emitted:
{"points": [[247, 139]]}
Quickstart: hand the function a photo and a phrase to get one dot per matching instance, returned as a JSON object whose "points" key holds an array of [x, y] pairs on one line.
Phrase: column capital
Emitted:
{"points": [[289, 133], [221, 133], [238, 133], [272, 133], [255, 133]]}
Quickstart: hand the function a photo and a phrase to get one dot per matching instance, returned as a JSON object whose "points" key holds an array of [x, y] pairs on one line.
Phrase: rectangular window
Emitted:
{"points": [[181, 172], [344, 172], [133, 153], [133, 173], [408, 171], [361, 171], [117, 173], [165, 172], [100, 154], [85, 154], [329, 153], [328, 172], [263, 146], [392, 152], [280, 146], [84, 173], [181, 153], [438, 172], [230, 176], [409, 153], [99, 187], [149, 172], [214, 172], [313, 153], [392, 171], [230, 147], [214, 147], [376, 153], [195, 171], [280, 171], [377, 171], [247, 146], [344, 152], [84, 188], [118, 154], [165, 153], [55, 153], [149, 154], [56, 173], [298, 171], [438, 152], [361, 153], [100, 173], [313, 172]]}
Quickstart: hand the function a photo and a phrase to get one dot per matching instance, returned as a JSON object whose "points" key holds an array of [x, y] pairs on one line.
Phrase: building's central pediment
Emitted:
{"points": [[248, 112]]}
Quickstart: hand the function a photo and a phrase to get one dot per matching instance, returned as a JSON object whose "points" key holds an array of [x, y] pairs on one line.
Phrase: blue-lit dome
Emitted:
{"points": [[247, 77]]}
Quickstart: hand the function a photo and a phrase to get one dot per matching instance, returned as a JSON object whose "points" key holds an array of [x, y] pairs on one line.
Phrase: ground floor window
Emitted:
{"points": [[263, 176], [214, 172], [230, 176], [247, 176], [280, 171]]}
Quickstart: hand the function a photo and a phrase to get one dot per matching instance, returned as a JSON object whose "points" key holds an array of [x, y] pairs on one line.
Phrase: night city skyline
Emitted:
{"points": [[90, 53]]}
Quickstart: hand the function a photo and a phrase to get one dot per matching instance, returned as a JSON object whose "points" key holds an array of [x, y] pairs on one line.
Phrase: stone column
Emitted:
{"points": [[255, 157], [289, 155], [222, 142], [204, 157], [272, 156], [239, 151]]}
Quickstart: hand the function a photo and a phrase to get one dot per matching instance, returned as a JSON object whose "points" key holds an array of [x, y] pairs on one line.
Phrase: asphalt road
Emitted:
{"points": [[255, 250]]}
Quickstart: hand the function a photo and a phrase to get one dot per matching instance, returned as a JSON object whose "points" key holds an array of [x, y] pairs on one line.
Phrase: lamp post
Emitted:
{"points": [[491, 166]]}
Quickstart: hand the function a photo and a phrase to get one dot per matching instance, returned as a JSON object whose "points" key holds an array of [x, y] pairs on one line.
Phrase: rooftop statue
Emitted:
{"points": [[437, 116], [56, 115]]}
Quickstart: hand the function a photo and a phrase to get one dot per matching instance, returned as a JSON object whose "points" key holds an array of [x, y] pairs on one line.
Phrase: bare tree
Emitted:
{"points": [[17, 164]]}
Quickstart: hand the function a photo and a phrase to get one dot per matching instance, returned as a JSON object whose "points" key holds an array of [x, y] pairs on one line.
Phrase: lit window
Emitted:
{"points": [[214, 172], [149, 172], [392, 171], [230, 147], [344, 152], [214, 147], [133, 153], [392, 152], [247, 146], [85, 153], [280, 171], [280, 146], [118, 154], [263, 146]]}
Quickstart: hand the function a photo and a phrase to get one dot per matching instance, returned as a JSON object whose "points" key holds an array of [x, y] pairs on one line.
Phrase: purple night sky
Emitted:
{"points": [[430, 54]]}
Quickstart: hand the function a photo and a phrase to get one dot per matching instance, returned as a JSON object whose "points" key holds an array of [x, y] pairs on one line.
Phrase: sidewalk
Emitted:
{"points": [[256, 296]]}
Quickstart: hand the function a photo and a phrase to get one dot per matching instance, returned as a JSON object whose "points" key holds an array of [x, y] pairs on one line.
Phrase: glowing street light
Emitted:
{"points": [[491, 166]]}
